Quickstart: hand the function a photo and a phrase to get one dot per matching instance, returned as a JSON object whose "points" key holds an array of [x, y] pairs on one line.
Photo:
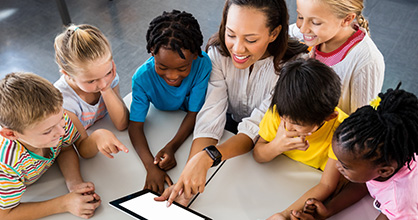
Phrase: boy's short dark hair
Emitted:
{"points": [[25, 99], [306, 92]]}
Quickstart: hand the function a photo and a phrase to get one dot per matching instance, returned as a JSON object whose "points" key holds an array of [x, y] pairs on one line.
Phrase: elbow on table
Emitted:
{"points": [[259, 158], [122, 127]]}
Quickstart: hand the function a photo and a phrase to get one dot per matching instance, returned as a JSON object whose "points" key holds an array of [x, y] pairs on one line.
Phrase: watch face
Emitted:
{"points": [[214, 154]]}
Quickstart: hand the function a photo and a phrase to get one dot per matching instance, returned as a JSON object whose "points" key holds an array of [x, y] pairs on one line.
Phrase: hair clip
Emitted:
{"points": [[375, 102], [76, 28]]}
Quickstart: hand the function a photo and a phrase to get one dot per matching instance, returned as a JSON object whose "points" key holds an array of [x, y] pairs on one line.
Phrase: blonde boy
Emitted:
{"points": [[35, 131]]}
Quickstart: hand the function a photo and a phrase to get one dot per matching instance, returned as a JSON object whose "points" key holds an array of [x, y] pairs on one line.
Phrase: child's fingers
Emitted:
{"points": [[300, 215], [122, 147], [319, 206], [168, 180], [96, 197], [165, 194], [107, 154], [158, 157], [297, 144], [310, 209], [114, 149], [84, 188]]}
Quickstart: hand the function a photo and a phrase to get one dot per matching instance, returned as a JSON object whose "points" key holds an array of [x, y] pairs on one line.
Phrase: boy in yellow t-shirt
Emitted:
{"points": [[300, 124]]}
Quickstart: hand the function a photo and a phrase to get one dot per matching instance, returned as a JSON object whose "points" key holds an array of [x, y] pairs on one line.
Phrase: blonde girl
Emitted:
{"points": [[339, 36], [90, 85]]}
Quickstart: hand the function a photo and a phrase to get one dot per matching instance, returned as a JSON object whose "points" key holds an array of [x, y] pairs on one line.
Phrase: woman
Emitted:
{"points": [[247, 53]]}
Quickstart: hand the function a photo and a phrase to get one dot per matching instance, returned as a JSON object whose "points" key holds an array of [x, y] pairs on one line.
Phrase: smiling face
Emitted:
{"points": [[317, 23], [171, 67], [95, 76], [247, 35], [43, 134]]}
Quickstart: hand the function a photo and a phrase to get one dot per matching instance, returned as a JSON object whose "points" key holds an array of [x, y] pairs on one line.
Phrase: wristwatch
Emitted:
{"points": [[214, 154]]}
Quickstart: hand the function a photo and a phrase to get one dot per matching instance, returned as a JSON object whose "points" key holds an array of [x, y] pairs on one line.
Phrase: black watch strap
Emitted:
{"points": [[213, 153]]}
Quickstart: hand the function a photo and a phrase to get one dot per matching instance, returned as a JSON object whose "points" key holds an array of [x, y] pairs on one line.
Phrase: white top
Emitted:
{"points": [[361, 72], [87, 114], [245, 96]]}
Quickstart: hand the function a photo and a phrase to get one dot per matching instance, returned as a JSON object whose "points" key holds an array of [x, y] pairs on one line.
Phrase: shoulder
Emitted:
{"points": [[10, 152], [341, 115], [146, 67], [202, 61], [71, 133], [68, 94], [215, 54], [366, 51], [62, 85]]}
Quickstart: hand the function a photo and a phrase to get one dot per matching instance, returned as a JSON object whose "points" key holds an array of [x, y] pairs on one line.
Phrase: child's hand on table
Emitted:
{"points": [[82, 201], [298, 215], [315, 208], [156, 178], [108, 143], [165, 158]]}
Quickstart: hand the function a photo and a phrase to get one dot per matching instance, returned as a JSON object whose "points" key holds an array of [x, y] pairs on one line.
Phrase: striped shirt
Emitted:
{"points": [[20, 167]]}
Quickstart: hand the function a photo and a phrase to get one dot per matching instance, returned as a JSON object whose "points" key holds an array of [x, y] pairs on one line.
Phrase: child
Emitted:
{"points": [[90, 85], [175, 77], [338, 33], [300, 123], [35, 131], [378, 145]]}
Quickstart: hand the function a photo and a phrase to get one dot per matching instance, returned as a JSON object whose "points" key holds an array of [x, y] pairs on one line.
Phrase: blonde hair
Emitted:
{"points": [[25, 99], [78, 45], [341, 8]]}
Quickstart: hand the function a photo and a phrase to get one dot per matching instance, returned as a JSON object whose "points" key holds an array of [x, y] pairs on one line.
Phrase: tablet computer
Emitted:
{"points": [[141, 205]]}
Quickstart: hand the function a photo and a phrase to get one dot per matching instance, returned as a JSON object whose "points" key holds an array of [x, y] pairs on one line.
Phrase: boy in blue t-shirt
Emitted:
{"points": [[175, 77]]}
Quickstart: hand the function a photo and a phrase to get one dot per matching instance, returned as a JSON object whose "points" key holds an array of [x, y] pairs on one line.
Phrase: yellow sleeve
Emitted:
{"points": [[269, 125], [341, 116], [331, 153]]}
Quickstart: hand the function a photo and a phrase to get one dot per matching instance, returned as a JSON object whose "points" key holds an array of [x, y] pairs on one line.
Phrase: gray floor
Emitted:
{"points": [[28, 29]]}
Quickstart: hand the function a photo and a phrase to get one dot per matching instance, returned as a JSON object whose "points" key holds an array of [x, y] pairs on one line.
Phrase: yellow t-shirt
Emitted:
{"points": [[320, 148]]}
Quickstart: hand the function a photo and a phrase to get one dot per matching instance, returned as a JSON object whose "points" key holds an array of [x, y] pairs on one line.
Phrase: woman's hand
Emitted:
{"points": [[193, 178]]}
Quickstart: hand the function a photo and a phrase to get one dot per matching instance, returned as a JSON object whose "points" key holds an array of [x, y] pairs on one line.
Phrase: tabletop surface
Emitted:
{"points": [[242, 189]]}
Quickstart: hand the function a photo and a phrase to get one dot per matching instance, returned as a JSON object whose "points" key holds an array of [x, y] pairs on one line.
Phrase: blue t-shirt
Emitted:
{"points": [[148, 86]]}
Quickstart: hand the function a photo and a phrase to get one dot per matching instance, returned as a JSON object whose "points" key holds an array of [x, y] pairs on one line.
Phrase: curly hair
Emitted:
{"points": [[175, 30], [386, 134]]}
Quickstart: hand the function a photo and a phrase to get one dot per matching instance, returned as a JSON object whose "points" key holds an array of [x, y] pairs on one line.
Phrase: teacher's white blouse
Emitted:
{"points": [[246, 96]]}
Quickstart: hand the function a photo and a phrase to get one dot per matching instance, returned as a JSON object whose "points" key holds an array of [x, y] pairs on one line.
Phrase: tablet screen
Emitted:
{"points": [[142, 205]]}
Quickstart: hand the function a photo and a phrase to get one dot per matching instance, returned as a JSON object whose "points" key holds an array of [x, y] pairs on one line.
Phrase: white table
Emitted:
{"points": [[242, 189], [122, 175]]}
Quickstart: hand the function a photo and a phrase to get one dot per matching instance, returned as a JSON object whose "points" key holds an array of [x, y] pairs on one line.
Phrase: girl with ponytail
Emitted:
{"points": [[339, 36]]}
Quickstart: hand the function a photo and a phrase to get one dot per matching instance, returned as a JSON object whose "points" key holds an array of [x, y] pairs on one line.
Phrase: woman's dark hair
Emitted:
{"points": [[306, 92], [385, 134], [176, 30], [283, 48]]}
